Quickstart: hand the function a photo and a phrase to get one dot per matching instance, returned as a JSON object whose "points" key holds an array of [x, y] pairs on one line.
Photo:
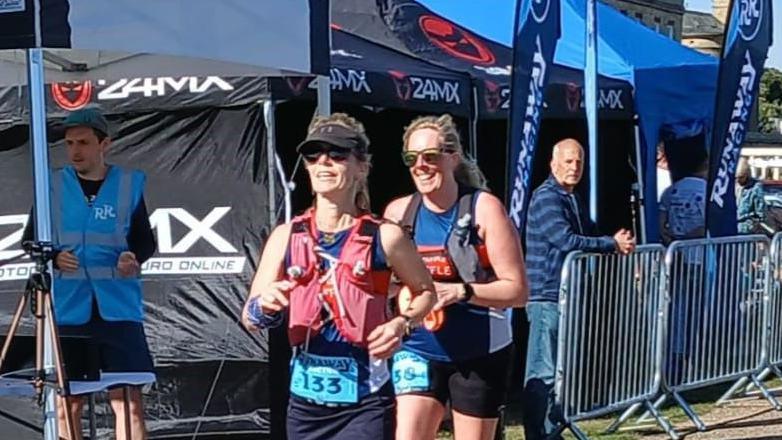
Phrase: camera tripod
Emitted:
{"points": [[38, 294]]}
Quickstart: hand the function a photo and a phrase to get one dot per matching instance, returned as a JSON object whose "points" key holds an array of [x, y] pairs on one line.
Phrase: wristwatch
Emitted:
{"points": [[469, 292], [408, 324]]}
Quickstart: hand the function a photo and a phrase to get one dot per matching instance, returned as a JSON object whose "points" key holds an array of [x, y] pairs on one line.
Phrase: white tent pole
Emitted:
{"points": [[271, 150], [640, 183], [288, 186], [274, 164], [324, 96], [590, 102], [43, 224], [474, 125], [324, 83], [37, 22]]}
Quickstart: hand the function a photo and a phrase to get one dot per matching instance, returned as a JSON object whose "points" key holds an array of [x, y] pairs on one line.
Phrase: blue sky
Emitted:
{"points": [[775, 52]]}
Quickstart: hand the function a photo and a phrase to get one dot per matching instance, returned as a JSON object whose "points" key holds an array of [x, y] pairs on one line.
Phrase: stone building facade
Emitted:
{"points": [[703, 31], [664, 16]]}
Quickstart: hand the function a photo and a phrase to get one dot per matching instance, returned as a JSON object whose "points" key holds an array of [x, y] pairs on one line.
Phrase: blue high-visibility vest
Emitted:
{"points": [[96, 235]]}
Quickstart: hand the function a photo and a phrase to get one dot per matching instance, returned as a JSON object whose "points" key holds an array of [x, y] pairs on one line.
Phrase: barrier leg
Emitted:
{"points": [[657, 403], [728, 394], [776, 371], [623, 418], [766, 393], [662, 421], [558, 432], [761, 377], [577, 432], [688, 410]]}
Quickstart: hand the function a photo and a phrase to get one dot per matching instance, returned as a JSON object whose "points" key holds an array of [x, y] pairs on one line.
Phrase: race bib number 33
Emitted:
{"points": [[325, 379]]}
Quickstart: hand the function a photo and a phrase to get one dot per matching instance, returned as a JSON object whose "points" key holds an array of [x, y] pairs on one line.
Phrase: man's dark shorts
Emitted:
{"points": [[121, 345]]}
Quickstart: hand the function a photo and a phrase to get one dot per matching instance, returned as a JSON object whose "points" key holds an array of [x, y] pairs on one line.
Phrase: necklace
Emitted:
{"points": [[328, 238]]}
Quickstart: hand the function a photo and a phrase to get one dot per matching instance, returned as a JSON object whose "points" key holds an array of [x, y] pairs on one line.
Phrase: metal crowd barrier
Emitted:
{"points": [[610, 338], [717, 315], [773, 338]]}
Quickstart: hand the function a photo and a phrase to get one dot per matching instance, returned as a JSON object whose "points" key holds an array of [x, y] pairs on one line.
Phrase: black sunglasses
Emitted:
{"points": [[430, 156], [335, 154]]}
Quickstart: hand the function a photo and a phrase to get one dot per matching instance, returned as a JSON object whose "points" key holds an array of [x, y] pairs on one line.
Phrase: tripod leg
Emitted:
{"points": [[62, 380], [40, 316], [126, 408], [13, 327], [93, 422]]}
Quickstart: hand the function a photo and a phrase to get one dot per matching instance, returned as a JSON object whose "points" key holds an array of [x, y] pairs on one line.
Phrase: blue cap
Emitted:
{"points": [[87, 117]]}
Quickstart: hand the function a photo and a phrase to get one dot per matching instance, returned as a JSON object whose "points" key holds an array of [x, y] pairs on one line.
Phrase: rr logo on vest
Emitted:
{"points": [[105, 212]]}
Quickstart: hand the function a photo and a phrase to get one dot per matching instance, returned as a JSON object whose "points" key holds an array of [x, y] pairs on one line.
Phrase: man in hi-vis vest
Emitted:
{"points": [[102, 235]]}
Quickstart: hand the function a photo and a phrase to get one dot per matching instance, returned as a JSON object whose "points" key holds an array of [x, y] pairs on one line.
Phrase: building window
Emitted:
{"points": [[639, 16], [623, 11], [671, 27], [657, 25]]}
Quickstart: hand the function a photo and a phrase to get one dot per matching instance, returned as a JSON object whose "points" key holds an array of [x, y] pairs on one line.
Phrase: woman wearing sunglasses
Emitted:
{"points": [[474, 255], [329, 271]]}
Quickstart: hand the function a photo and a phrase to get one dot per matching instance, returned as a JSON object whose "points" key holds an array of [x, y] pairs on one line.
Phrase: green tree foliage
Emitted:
{"points": [[770, 99]]}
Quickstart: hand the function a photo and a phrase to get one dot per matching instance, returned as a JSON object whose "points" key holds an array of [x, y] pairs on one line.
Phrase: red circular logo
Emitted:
{"points": [[455, 40], [72, 95]]}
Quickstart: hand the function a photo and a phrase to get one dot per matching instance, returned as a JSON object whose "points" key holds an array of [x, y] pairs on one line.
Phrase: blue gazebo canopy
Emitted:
{"points": [[673, 85]]}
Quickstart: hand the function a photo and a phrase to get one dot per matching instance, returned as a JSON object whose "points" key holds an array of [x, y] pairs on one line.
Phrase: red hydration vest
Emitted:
{"points": [[354, 294]]}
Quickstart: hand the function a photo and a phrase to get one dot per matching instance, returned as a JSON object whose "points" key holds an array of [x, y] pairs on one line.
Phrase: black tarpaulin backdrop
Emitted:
{"points": [[208, 201]]}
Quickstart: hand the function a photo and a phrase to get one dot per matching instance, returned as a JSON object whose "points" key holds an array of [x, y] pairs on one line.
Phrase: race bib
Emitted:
{"points": [[325, 379], [410, 372]]}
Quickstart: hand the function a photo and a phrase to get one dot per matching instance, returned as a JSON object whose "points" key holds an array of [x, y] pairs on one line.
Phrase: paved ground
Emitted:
{"points": [[746, 418], [749, 418]]}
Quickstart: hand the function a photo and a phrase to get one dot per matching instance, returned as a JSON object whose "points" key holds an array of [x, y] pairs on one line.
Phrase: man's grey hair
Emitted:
{"points": [[566, 142]]}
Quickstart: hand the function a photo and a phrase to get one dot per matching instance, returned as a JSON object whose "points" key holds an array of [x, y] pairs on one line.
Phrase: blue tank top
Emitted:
{"points": [[468, 331], [329, 342]]}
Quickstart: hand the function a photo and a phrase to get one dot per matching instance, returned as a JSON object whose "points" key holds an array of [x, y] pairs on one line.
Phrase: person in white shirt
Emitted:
{"points": [[683, 204], [683, 216], [663, 173]]}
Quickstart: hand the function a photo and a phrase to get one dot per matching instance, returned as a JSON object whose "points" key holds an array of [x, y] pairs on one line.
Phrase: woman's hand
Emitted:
{"points": [[410, 269], [272, 300], [386, 338], [275, 298], [271, 293], [447, 294]]}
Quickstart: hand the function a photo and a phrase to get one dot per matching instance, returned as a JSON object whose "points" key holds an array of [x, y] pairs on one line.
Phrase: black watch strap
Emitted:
{"points": [[469, 292]]}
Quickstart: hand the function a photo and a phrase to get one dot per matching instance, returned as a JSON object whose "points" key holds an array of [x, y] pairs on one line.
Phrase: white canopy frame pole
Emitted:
{"points": [[639, 185], [473, 147], [271, 150], [43, 224], [324, 96], [324, 84], [288, 187], [274, 166], [591, 105]]}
